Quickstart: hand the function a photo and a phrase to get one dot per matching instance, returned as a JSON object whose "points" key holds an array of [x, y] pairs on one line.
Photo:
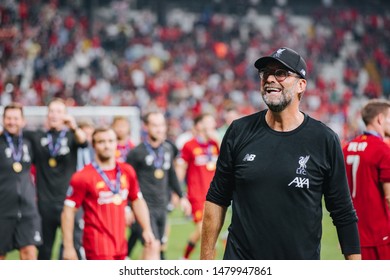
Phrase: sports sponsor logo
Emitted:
{"points": [[106, 197], [301, 182], [249, 157], [202, 160]]}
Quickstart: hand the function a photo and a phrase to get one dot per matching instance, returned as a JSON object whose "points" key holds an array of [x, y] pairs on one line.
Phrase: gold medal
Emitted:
{"points": [[17, 167], [52, 162], [117, 199], [159, 173], [210, 166]]}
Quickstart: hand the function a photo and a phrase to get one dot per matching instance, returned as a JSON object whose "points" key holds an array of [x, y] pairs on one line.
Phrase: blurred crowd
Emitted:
{"points": [[195, 62]]}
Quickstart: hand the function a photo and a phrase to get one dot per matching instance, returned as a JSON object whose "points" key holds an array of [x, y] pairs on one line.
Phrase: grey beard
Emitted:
{"points": [[279, 107]]}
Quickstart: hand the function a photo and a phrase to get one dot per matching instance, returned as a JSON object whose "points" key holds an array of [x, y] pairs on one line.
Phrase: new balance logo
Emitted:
{"points": [[300, 183], [249, 157]]}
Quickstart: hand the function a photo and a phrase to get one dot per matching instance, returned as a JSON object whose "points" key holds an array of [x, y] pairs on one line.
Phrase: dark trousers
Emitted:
{"points": [[51, 220]]}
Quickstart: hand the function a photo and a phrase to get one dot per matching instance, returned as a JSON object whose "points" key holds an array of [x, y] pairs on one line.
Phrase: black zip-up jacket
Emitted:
{"points": [[17, 191]]}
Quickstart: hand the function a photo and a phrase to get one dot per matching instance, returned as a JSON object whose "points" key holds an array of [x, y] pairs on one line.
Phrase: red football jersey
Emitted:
{"points": [[201, 159], [367, 160], [104, 216], [123, 150]]}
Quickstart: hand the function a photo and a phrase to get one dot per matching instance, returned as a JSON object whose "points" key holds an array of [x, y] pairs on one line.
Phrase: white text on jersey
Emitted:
{"points": [[357, 147]]}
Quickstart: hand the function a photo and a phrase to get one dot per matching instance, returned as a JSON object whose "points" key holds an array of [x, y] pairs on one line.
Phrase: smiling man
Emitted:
{"points": [[55, 159], [275, 166], [19, 218]]}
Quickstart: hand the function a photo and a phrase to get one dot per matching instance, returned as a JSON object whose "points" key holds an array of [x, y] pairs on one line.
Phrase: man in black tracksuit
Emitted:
{"points": [[274, 167], [153, 163], [55, 153], [19, 217]]}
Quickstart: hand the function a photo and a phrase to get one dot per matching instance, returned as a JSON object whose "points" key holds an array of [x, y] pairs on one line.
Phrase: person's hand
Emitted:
{"points": [[70, 122], [70, 253], [353, 257], [185, 206], [148, 237]]}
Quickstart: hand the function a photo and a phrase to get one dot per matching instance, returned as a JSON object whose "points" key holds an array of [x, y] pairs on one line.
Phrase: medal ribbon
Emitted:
{"points": [[158, 155], [53, 150], [114, 188], [124, 150], [208, 150], [16, 153]]}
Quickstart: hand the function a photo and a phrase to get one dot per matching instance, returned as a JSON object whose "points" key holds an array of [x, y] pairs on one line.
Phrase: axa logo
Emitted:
{"points": [[302, 165], [249, 157], [279, 52], [300, 182]]}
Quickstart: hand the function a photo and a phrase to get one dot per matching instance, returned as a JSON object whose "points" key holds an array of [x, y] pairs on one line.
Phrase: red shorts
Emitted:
{"points": [[197, 210], [381, 252]]}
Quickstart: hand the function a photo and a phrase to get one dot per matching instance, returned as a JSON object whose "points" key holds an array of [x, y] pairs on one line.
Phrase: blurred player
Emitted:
{"points": [[121, 127], [196, 166], [103, 189], [55, 158], [85, 155], [367, 159], [19, 218], [153, 163]]}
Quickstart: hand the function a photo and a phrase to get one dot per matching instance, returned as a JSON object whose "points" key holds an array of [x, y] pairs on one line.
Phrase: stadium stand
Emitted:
{"points": [[192, 56]]}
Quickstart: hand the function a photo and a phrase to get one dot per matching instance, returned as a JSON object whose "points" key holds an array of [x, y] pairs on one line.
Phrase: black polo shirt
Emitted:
{"points": [[17, 191], [155, 190], [53, 182]]}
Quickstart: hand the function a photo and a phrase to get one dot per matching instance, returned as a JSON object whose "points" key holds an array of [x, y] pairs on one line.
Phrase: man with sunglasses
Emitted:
{"points": [[275, 167]]}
